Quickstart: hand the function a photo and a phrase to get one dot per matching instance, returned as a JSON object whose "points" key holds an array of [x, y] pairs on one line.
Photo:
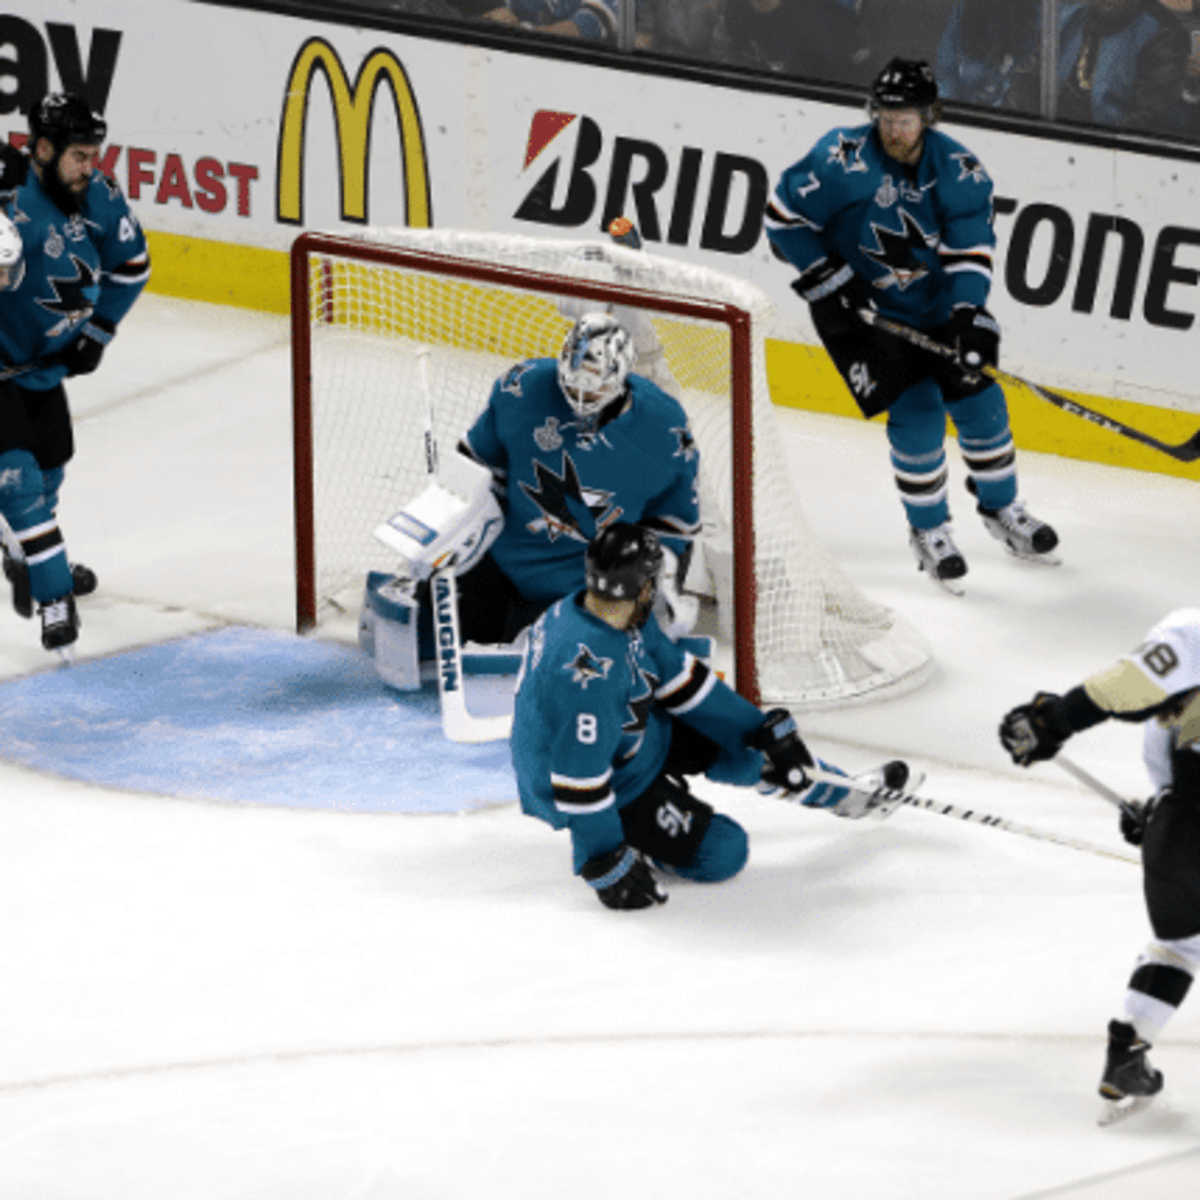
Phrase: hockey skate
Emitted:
{"points": [[16, 571], [60, 625], [938, 555], [1129, 1083], [1024, 536]]}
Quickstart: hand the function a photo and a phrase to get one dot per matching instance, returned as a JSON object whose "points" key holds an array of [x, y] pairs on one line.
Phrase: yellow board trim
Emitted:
{"points": [[800, 376], [804, 377]]}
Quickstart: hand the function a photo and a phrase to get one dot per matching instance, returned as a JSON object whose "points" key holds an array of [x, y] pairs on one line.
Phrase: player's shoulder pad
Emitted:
{"points": [[525, 378], [959, 169], [844, 149], [660, 415]]}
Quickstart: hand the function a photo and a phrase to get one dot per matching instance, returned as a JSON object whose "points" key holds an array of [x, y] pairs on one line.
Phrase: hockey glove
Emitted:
{"points": [[623, 879], [835, 293], [82, 356], [975, 335], [1135, 816], [786, 755], [1033, 732]]}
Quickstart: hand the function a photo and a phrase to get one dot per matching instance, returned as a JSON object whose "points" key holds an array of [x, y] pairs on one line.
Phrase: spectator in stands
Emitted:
{"points": [[1187, 13], [682, 28], [990, 54], [811, 39], [591, 20], [1122, 62]]}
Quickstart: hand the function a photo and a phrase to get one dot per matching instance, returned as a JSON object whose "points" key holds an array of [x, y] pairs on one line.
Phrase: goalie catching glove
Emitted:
{"points": [[453, 522]]}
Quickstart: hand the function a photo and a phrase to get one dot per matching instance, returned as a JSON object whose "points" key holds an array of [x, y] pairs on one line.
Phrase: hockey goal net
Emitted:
{"points": [[798, 630]]}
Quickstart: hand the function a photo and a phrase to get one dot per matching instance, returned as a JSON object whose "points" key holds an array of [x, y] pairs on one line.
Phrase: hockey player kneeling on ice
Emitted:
{"points": [[564, 447], [1158, 684], [611, 718]]}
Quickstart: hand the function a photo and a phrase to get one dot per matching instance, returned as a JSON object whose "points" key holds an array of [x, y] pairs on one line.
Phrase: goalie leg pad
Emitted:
{"points": [[387, 629]]}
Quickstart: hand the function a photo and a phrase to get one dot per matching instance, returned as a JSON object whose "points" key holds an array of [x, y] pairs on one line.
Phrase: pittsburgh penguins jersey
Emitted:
{"points": [[592, 720], [921, 235], [92, 262], [562, 483], [1160, 680]]}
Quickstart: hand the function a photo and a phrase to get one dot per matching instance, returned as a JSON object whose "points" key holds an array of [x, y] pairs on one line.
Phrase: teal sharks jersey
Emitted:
{"points": [[921, 236], [78, 265], [561, 482]]}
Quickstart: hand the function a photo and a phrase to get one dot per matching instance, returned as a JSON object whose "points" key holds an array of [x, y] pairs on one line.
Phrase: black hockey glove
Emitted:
{"points": [[835, 293], [1135, 816], [623, 879], [975, 335], [82, 356], [787, 756], [1033, 732]]}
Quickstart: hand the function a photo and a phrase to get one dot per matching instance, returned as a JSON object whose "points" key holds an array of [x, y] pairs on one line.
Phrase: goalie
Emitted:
{"points": [[612, 716], [564, 448]]}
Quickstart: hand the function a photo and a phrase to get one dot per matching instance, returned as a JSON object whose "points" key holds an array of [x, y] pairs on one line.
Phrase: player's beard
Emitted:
{"points": [[643, 608], [68, 201]]}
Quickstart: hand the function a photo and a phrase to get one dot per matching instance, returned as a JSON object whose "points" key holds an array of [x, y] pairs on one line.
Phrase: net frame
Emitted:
{"points": [[504, 261]]}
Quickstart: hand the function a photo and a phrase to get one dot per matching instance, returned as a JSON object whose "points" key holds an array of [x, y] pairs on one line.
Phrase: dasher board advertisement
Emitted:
{"points": [[240, 128]]}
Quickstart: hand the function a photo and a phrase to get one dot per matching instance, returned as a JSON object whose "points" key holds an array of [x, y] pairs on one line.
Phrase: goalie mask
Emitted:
{"points": [[594, 364], [621, 560], [12, 256]]}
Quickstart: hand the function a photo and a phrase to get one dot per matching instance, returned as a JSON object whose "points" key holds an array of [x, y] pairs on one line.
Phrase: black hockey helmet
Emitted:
{"points": [[65, 119], [621, 559], [904, 83]]}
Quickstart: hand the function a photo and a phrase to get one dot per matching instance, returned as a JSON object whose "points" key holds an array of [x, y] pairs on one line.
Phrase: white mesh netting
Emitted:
{"points": [[816, 640]]}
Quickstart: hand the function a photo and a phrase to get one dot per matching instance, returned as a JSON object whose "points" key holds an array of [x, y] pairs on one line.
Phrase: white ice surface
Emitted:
{"points": [[208, 1001]]}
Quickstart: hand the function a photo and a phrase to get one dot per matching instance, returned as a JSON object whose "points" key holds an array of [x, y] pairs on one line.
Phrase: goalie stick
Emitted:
{"points": [[458, 724], [975, 817], [1187, 452]]}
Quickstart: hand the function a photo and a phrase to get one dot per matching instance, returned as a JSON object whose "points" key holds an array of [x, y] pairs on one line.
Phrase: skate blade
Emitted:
{"points": [[1113, 1111], [67, 655], [1049, 559], [953, 586]]}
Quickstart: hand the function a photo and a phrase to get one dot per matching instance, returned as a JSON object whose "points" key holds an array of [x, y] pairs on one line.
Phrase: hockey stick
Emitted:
{"points": [[457, 723], [981, 818], [1187, 451], [1090, 781]]}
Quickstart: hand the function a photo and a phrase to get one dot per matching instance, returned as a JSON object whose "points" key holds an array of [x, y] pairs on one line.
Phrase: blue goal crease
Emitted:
{"points": [[252, 716]]}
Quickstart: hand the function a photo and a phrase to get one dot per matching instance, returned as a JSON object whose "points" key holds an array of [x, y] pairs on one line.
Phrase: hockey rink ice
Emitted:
{"points": [[233, 997]]}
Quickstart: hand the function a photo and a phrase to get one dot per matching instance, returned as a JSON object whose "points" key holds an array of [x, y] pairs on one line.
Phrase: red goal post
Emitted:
{"points": [[799, 631]]}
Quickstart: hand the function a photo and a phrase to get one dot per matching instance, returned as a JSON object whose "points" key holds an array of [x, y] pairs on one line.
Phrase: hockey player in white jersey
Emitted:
{"points": [[612, 716], [895, 216], [1157, 684]]}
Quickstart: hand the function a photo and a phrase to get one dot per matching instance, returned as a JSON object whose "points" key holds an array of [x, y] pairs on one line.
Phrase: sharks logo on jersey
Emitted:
{"points": [[586, 666], [969, 167], [511, 382], [848, 152], [568, 509], [638, 706], [896, 251], [74, 297], [688, 450]]}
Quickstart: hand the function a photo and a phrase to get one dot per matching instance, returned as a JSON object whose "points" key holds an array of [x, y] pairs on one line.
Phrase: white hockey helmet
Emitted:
{"points": [[594, 363], [12, 255]]}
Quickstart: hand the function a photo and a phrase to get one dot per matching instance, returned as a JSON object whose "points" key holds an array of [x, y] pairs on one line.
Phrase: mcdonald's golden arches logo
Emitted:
{"points": [[353, 110]]}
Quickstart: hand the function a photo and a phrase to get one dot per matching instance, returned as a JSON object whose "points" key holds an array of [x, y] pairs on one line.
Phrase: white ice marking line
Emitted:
{"points": [[1085, 1187], [179, 380], [284, 1058]]}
